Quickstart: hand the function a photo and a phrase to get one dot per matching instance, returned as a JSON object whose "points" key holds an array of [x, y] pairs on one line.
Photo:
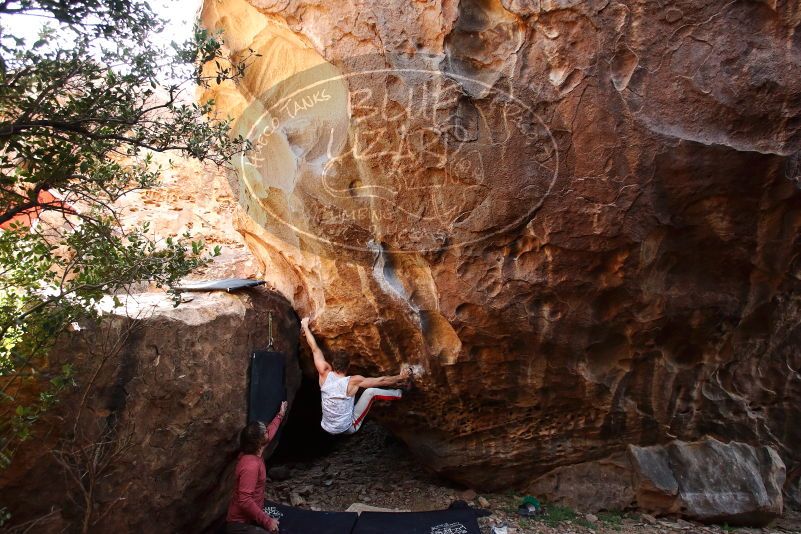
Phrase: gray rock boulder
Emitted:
{"points": [[709, 481]]}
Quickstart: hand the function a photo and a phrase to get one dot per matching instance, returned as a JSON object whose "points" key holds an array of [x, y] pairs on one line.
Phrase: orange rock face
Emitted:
{"points": [[580, 218]]}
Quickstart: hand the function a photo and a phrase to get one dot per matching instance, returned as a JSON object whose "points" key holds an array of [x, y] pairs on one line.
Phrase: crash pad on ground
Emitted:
{"points": [[453, 521], [458, 519], [299, 521]]}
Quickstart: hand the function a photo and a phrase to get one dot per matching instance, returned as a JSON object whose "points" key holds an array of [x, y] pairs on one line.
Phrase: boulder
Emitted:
{"points": [[147, 441], [710, 481], [580, 219], [594, 486], [706, 481]]}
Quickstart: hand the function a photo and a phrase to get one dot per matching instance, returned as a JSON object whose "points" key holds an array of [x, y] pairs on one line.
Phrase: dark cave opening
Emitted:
{"points": [[302, 438]]}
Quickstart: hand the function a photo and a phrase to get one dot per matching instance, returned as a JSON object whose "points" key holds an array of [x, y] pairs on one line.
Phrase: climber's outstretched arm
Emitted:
{"points": [[323, 367], [365, 382]]}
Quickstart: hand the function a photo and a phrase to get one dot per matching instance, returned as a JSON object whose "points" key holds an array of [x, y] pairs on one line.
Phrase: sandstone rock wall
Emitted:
{"points": [[150, 434], [589, 240]]}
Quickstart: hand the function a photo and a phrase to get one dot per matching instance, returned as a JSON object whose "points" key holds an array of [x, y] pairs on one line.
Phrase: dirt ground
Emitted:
{"points": [[374, 469]]}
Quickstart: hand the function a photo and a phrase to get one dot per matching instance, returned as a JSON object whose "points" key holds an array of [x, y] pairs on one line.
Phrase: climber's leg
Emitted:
{"points": [[366, 401]]}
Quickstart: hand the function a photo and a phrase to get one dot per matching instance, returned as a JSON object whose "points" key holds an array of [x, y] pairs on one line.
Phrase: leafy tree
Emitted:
{"points": [[82, 109]]}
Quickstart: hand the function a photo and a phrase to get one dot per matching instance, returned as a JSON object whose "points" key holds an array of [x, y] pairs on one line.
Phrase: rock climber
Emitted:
{"points": [[341, 413], [246, 513]]}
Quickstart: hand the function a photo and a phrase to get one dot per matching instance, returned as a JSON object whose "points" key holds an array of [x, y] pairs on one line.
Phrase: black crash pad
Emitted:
{"points": [[299, 521], [452, 521], [267, 388], [226, 284]]}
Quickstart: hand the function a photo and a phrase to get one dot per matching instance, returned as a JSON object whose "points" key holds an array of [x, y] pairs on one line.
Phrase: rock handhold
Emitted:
{"points": [[709, 481]]}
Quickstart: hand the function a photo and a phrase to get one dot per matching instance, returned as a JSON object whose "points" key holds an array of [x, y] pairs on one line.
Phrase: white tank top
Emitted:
{"points": [[337, 405]]}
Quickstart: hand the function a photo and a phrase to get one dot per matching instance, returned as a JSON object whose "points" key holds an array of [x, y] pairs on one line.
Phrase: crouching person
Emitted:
{"points": [[246, 510]]}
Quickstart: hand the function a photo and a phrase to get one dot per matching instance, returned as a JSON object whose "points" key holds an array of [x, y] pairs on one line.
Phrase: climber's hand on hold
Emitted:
{"points": [[403, 379], [304, 323], [282, 411]]}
